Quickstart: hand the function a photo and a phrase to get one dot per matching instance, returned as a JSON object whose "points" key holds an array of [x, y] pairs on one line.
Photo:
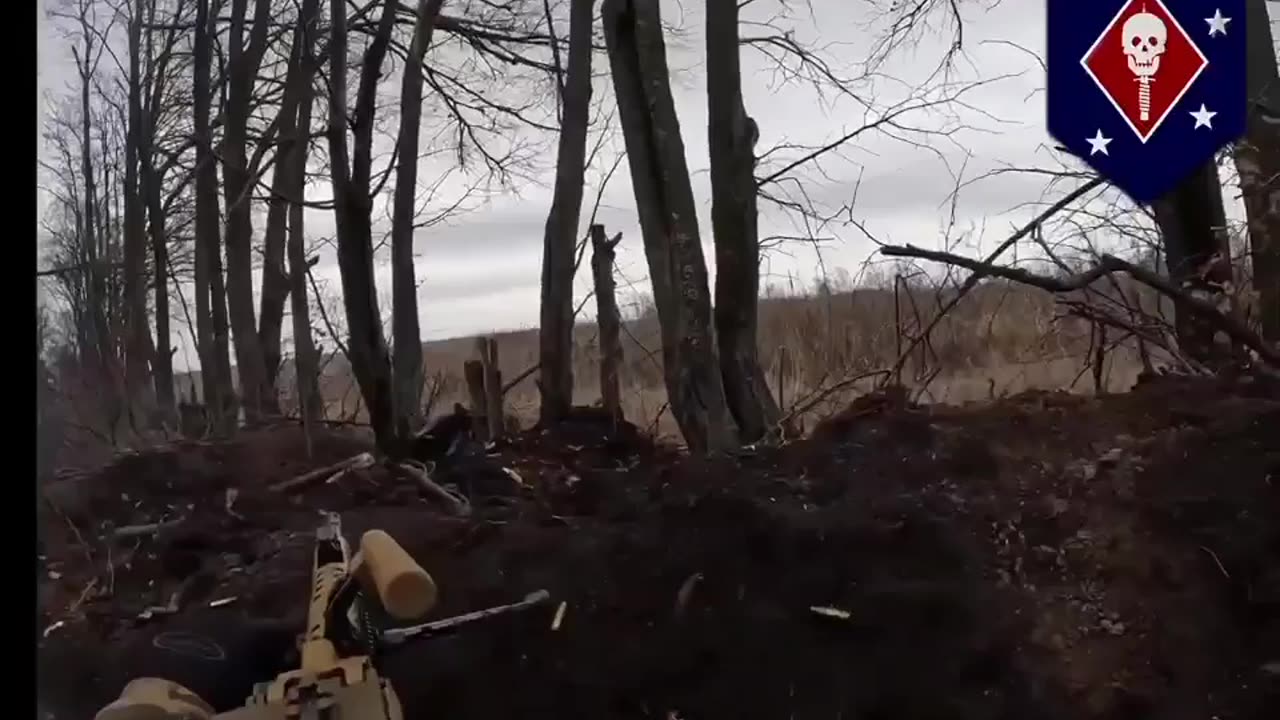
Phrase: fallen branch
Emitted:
{"points": [[329, 473], [132, 531], [417, 472], [1237, 330]]}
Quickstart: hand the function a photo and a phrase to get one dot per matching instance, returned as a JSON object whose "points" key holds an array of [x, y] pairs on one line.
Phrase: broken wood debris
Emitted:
{"points": [[326, 474], [451, 502]]}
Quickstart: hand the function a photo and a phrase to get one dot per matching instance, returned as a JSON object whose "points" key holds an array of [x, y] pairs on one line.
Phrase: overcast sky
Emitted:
{"points": [[480, 271]]}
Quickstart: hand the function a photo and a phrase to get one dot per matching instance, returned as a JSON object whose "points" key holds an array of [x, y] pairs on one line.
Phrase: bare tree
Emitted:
{"points": [[407, 361], [137, 333], [243, 62], [294, 163], [561, 234], [350, 171], [157, 85], [1258, 162], [211, 308], [94, 244], [732, 136], [668, 220]]}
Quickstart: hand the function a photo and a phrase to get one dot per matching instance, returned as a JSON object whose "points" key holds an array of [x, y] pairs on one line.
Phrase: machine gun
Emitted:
{"points": [[354, 607]]}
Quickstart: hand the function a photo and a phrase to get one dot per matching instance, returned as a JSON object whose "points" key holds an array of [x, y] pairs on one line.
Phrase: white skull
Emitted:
{"points": [[1145, 40]]}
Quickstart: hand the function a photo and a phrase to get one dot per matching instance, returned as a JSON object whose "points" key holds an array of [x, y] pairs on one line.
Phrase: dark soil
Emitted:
{"points": [[1045, 556]]}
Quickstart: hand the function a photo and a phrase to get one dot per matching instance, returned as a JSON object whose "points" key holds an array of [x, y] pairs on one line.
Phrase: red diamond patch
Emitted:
{"points": [[1144, 62]]}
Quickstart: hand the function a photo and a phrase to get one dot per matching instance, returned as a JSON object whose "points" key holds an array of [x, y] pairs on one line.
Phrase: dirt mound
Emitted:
{"points": [[1044, 556]]}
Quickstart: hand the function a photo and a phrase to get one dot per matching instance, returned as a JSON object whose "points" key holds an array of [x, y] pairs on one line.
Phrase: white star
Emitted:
{"points": [[1203, 117], [1217, 23], [1098, 144]]}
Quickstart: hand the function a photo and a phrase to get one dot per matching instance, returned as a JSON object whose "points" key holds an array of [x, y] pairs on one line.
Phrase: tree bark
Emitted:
{"points": [[473, 373], [99, 344], [668, 220], [556, 326], [306, 361], [731, 139], [242, 69], [154, 84], [407, 361], [1258, 162], [370, 359], [608, 320], [1193, 226], [492, 386], [137, 333], [276, 280], [211, 311], [162, 359]]}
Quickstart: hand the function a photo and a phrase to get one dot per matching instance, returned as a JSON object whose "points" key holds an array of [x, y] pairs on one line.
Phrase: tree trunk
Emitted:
{"points": [[137, 332], [473, 373], [276, 280], [100, 341], [407, 362], [306, 362], [731, 139], [608, 320], [211, 312], [1258, 162], [151, 191], [668, 220], [1192, 224], [162, 360], [488, 348], [242, 70], [556, 327], [370, 360]]}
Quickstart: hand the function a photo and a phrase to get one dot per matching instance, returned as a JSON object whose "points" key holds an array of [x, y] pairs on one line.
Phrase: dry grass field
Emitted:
{"points": [[999, 340], [819, 350]]}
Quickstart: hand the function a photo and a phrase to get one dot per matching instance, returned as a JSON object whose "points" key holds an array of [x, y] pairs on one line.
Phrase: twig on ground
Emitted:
{"points": [[1217, 562]]}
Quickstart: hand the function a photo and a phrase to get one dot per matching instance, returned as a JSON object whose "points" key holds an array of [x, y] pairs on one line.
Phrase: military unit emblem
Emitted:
{"points": [[1146, 90]]}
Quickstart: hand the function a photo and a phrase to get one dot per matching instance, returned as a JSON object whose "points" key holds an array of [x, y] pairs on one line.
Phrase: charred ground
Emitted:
{"points": [[1048, 556]]}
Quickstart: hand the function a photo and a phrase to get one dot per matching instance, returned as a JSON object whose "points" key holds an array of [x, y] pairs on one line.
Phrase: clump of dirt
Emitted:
{"points": [[1043, 556]]}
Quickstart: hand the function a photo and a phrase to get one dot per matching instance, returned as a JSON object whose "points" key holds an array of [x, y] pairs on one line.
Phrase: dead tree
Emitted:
{"points": [[1193, 227], [608, 319], [732, 136], [1258, 162], [488, 348], [157, 88], [556, 328], [406, 363], [473, 372], [353, 208], [211, 307], [668, 220], [305, 358]]}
